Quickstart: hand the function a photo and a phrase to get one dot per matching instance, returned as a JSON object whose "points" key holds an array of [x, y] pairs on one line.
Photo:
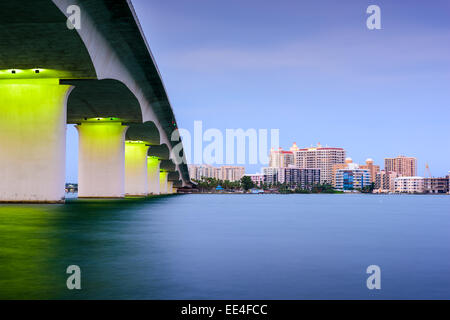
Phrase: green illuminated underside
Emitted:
{"points": [[34, 74]]}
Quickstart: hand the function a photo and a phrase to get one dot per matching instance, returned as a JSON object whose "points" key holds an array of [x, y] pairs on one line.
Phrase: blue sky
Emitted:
{"points": [[311, 69]]}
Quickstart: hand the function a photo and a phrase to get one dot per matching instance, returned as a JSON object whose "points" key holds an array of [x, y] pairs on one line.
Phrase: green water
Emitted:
{"points": [[228, 246]]}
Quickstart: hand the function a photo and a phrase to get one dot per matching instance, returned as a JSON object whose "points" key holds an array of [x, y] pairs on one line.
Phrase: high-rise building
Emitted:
{"points": [[296, 177], [197, 172], [385, 181], [292, 176], [280, 158], [270, 175], [231, 173], [323, 158], [404, 166], [352, 179], [373, 169], [409, 185]]}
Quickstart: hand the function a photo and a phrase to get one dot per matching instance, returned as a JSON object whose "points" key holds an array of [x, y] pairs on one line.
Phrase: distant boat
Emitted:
{"points": [[256, 191]]}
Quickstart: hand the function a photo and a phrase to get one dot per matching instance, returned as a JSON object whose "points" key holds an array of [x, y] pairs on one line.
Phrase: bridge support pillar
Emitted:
{"points": [[163, 183], [101, 159], [32, 140], [136, 180], [169, 187], [153, 175]]}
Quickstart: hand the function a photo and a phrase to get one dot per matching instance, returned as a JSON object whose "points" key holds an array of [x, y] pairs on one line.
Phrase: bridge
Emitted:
{"points": [[98, 74]]}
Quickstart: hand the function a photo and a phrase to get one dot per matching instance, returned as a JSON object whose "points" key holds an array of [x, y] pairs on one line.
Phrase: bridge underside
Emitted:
{"points": [[51, 75]]}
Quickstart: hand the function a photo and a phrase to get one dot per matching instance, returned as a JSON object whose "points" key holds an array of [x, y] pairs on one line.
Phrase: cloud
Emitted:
{"points": [[333, 54]]}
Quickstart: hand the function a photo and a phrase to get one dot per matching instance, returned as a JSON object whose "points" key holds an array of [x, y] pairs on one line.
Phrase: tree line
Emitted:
{"points": [[246, 183]]}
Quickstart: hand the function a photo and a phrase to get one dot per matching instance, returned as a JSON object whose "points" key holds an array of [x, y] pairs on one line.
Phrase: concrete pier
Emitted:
{"points": [[153, 175], [32, 140], [101, 159], [136, 177], [163, 183]]}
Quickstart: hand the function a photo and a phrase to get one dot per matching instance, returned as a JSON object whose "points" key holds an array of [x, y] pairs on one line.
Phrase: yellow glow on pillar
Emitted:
{"points": [[163, 175], [153, 161], [136, 168], [32, 139], [101, 159], [153, 175]]}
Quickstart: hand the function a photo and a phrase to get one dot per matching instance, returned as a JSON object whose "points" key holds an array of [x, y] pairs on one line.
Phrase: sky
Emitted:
{"points": [[311, 69]]}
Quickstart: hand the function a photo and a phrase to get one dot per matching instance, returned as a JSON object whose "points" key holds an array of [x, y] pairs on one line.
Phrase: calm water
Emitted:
{"points": [[228, 246]]}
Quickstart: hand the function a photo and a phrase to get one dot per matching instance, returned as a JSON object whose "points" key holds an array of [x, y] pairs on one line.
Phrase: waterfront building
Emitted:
{"points": [[409, 184], [323, 158], [436, 185], [231, 173], [352, 179], [385, 181], [303, 178], [346, 165], [197, 172], [270, 175], [404, 166], [280, 158], [257, 178], [373, 169]]}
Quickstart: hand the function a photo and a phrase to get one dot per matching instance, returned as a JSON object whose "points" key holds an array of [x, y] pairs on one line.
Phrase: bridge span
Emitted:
{"points": [[100, 76]]}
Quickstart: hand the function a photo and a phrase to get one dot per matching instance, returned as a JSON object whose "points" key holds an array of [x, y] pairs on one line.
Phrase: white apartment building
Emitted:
{"points": [[270, 174], [257, 178], [409, 185]]}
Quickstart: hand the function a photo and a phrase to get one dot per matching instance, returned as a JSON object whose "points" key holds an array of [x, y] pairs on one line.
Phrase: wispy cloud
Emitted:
{"points": [[342, 53]]}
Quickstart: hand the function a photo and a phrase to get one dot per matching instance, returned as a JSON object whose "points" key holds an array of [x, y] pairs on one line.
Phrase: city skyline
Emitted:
{"points": [[317, 75]]}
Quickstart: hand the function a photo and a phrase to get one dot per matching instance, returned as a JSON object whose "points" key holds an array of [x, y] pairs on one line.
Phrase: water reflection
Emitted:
{"points": [[38, 242], [228, 246]]}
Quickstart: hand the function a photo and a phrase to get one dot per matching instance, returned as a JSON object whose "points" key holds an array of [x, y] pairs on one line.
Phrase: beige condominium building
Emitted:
{"points": [[197, 172], [319, 157], [231, 173], [404, 166], [385, 181]]}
